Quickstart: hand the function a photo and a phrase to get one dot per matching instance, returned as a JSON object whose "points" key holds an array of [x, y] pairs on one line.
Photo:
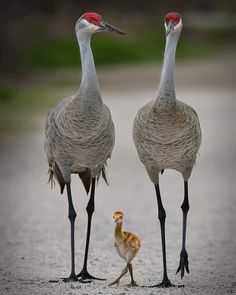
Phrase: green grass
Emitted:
{"points": [[51, 53], [110, 49], [62, 53], [30, 98], [6, 93], [20, 108], [33, 98]]}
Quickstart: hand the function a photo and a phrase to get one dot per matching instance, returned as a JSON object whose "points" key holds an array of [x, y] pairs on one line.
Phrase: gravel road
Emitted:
{"points": [[34, 229]]}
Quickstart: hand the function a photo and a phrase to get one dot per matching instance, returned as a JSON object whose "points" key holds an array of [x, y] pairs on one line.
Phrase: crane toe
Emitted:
{"points": [[85, 277], [70, 279], [166, 283], [183, 263]]}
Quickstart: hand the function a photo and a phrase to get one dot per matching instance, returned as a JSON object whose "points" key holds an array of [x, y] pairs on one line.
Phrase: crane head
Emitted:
{"points": [[118, 216], [173, 23], [92, 22]]}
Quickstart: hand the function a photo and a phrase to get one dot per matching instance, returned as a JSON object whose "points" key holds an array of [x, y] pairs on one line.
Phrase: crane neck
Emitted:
{"points": [[167, 85], [89, 87]]}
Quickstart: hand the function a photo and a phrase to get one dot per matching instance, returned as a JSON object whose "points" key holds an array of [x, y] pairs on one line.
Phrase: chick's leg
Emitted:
{"points": [[124, 271], [133, 283]]}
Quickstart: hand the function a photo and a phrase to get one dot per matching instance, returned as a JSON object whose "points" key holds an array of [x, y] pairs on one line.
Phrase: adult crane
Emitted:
{"points": [[167, 135], [79, 135]]}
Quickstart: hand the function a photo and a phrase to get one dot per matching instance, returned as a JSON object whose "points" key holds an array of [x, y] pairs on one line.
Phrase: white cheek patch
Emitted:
{"points": [[179, 26], [90, 27]]}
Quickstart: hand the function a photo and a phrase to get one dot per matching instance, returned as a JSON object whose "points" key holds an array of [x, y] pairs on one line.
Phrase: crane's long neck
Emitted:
{"points": [[167, 86], [89, 88]]}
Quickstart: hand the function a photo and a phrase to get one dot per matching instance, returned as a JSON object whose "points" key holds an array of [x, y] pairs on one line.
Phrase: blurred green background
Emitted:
{"points": [[38, 39]]}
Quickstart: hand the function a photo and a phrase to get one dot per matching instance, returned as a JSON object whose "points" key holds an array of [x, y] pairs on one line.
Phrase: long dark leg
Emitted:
{"points": [[124, 271], [84, 275], [133, 283], [71, 215], [183, 263], [162, 216]]}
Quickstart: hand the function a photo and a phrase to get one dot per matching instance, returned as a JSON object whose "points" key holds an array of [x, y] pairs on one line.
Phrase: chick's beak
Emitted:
{"points": [[118, 220], [107, 27], [170, 27]]}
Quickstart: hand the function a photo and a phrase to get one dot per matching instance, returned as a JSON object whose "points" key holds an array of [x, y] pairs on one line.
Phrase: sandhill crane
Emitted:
{"points": [[167, 135], [79, 135], [127, 245]]}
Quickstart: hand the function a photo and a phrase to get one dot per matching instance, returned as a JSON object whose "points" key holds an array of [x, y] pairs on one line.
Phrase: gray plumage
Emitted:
{"points": [[167, 137], [166, 131], [79, 139], [79, 133]]}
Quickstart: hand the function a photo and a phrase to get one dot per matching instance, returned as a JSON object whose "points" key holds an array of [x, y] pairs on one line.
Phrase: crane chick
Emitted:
{"points": [[127, 245]]}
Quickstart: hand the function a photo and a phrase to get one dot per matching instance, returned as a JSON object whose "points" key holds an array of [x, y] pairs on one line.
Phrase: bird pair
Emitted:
{"points": [[79, 136]]}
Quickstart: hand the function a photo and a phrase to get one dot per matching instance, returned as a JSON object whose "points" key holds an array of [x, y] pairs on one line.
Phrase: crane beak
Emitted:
{"points": [[170, 27], [107, 27]]}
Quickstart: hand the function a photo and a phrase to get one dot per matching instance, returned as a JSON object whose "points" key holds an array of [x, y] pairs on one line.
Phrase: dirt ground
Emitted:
{"points": [[34, 229]]}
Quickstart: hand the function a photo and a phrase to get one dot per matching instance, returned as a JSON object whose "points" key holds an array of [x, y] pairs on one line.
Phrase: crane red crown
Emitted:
{"points": [[173, 17], [92, 18]]}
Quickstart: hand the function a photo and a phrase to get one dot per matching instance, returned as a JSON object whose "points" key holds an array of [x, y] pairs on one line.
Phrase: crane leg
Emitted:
{"points": [[183, 263], [84, 274], [72, 216], [162, 216]]}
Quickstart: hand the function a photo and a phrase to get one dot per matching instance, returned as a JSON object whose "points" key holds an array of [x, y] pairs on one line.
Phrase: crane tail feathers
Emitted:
{"points": [[162, 171], [104, 175], [62, 185], [55, 173], [86, 178], [51, 178]]}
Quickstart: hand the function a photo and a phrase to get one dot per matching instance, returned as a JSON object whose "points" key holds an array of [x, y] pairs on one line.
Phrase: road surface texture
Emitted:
{"points": [[34, 229]]}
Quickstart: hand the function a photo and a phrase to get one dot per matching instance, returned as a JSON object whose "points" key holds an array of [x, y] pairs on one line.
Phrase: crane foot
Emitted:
{"points": [[183, 263], [73, 278], [84, 276], [166, 283], [70, 279]]}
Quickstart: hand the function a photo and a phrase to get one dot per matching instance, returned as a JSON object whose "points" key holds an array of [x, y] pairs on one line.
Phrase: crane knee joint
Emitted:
{"points": [[90, 208], [185, 207], [72, 215], [162, 215]]}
